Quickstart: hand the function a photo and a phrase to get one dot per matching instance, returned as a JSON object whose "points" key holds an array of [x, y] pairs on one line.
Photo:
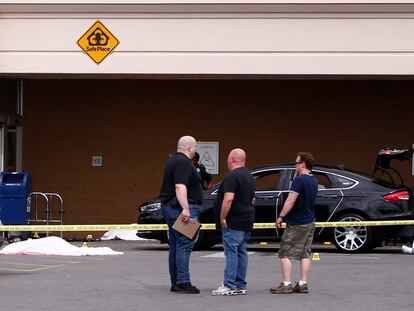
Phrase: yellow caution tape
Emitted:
{"points": [[159, 227]]}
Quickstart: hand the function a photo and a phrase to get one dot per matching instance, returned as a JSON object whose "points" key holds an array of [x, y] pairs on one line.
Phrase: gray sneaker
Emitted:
{"points": [[302, 289], [282, 289]]}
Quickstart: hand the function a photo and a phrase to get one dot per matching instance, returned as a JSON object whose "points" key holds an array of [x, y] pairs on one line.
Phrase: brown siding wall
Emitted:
{"points": [[134, 125]]}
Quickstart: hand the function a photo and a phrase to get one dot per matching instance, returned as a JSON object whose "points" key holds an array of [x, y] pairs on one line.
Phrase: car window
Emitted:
{"points": [[268, 181], [323, 180], [342, 182]]}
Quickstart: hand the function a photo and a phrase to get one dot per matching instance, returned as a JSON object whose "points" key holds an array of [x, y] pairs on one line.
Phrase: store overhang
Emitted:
{"points": [[222, 38]]}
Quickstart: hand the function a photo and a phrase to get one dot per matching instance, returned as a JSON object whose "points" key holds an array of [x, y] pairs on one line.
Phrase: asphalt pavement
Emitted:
{"points": [[138, 280]]}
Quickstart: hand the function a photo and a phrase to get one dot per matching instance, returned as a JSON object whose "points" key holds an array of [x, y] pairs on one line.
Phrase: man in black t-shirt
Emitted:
{"points": [[181, 194], [235, 212]]}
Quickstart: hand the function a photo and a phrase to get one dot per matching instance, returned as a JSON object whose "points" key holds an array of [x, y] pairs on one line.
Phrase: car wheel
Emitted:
{"points": [[352, 239]]}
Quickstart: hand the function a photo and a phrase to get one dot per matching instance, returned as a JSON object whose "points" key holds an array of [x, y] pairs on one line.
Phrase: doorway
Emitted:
{"points": [[11, 143]]}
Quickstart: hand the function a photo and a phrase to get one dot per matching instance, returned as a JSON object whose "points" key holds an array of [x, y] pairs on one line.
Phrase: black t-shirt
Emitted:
{"points": [[241, 215], [180, 170]]}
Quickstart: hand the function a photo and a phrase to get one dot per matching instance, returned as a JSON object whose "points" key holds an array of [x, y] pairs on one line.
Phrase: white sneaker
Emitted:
{"points": [[241, 291], [407, 250], [224, 291]]}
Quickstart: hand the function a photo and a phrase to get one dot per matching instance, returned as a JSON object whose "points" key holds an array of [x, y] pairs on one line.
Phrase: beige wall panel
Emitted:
{"points": [[213, 46], [219, 63], [134, 125], [216, 34], [212, 34]]}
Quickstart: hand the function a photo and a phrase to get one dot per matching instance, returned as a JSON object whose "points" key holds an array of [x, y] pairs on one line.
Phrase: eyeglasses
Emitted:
{"points": [[296, 163]]}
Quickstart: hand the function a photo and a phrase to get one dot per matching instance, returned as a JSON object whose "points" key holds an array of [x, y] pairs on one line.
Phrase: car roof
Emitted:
{"points": [[328, 168]]}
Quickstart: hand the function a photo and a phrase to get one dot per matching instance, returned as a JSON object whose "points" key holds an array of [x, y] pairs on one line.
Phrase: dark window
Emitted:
{"points": [[8, 96], [323, 180], [342, 182], [268, 181]]}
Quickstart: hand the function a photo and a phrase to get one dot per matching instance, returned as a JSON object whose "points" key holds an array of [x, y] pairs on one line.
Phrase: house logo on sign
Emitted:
{"points": [[98, 38], [98, 42]]}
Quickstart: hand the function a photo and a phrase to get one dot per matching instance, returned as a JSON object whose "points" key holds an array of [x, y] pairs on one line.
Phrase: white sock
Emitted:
{"points": [[287, 283], [302, 283]]}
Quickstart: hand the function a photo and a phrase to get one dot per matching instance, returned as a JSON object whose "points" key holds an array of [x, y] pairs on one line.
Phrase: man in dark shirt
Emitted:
{"points": [[234, 209], [205, 177], [299, 214], [181, 195]]}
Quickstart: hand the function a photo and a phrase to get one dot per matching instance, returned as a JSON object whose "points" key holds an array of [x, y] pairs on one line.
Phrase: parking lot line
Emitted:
{"points": [[31, 267], [221, 255]]}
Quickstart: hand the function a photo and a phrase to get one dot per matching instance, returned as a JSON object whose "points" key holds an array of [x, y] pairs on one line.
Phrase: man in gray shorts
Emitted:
{"points": [[299, 214]]}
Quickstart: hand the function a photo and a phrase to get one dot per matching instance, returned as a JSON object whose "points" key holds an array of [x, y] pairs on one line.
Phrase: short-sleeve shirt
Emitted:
{"points": [[180, 170], [241, 215], [303, 211]]}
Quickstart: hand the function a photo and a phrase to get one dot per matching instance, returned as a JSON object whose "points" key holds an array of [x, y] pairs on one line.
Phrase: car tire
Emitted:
{"points": [[352, 239]]}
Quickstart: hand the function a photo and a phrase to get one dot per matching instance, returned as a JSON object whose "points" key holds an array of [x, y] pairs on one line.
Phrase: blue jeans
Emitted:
{"points": [[180, 246], [235, 250]]}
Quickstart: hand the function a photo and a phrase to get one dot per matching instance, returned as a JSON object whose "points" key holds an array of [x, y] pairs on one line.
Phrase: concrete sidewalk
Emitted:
{"points": [[138, 280]]}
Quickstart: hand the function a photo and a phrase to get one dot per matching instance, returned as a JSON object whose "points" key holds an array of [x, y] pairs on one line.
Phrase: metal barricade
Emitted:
{"points": [[47, 200]]}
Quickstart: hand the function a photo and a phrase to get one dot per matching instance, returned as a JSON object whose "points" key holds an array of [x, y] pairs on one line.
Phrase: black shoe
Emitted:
{"points": [[187, 288], [173, 289]]}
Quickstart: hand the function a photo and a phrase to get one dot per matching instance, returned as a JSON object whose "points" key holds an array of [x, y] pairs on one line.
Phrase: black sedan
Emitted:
{"points": [[343, 195]]}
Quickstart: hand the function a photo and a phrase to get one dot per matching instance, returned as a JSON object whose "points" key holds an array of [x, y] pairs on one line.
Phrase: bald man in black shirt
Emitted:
{"points": [[181, 194]]}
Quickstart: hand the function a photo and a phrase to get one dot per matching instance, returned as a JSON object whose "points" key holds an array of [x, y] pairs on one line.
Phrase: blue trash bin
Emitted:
{"points": [[14, 191]]}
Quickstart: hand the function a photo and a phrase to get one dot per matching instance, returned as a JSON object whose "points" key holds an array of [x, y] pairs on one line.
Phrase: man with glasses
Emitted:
{"points": [[299, 214]]}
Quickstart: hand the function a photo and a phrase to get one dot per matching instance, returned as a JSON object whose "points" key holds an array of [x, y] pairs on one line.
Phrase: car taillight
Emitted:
{"points": [[397, 196]]}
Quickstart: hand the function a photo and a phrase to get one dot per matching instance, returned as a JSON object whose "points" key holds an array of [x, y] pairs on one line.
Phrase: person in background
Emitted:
{"points": [[299, 214], [181, 196], [206, 178]]}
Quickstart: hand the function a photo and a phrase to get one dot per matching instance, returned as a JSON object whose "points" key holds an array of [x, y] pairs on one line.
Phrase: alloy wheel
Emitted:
{"points": [[351, 238]]}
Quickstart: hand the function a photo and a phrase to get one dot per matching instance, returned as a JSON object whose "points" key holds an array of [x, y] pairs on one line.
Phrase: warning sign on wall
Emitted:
{"points": [[97, 42], [209, 155]]}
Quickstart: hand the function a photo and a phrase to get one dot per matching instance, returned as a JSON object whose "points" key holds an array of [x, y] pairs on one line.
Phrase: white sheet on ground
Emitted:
{"points": [[53, 246], [127, 235]]}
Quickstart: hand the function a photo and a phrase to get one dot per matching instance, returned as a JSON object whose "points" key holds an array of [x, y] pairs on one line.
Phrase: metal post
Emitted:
{"points": [[20, 86], [3, 147], [19, 148]]}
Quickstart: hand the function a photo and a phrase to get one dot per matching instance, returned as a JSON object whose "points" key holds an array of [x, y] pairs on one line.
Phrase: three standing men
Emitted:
{"points": [[234, 210], [181, 195], [299, 214]]}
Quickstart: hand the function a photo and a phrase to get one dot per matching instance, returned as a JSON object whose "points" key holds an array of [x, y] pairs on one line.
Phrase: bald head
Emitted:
{"points": [[187, 145], [236, 158]]}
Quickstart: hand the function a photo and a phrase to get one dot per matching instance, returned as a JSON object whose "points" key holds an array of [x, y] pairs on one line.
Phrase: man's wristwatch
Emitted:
{"points": [[283, 217]]}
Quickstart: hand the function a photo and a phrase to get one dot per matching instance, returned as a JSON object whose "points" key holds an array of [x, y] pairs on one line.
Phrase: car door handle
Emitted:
{"points": [[267, 197], [327, 196]]}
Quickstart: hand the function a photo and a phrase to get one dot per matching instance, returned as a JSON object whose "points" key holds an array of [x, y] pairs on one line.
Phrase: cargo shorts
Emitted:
{"points": [[296, 241]]}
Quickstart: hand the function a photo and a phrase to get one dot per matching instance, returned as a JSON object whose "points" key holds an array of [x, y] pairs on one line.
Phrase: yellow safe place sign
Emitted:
{"points": [[98, 42]]}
